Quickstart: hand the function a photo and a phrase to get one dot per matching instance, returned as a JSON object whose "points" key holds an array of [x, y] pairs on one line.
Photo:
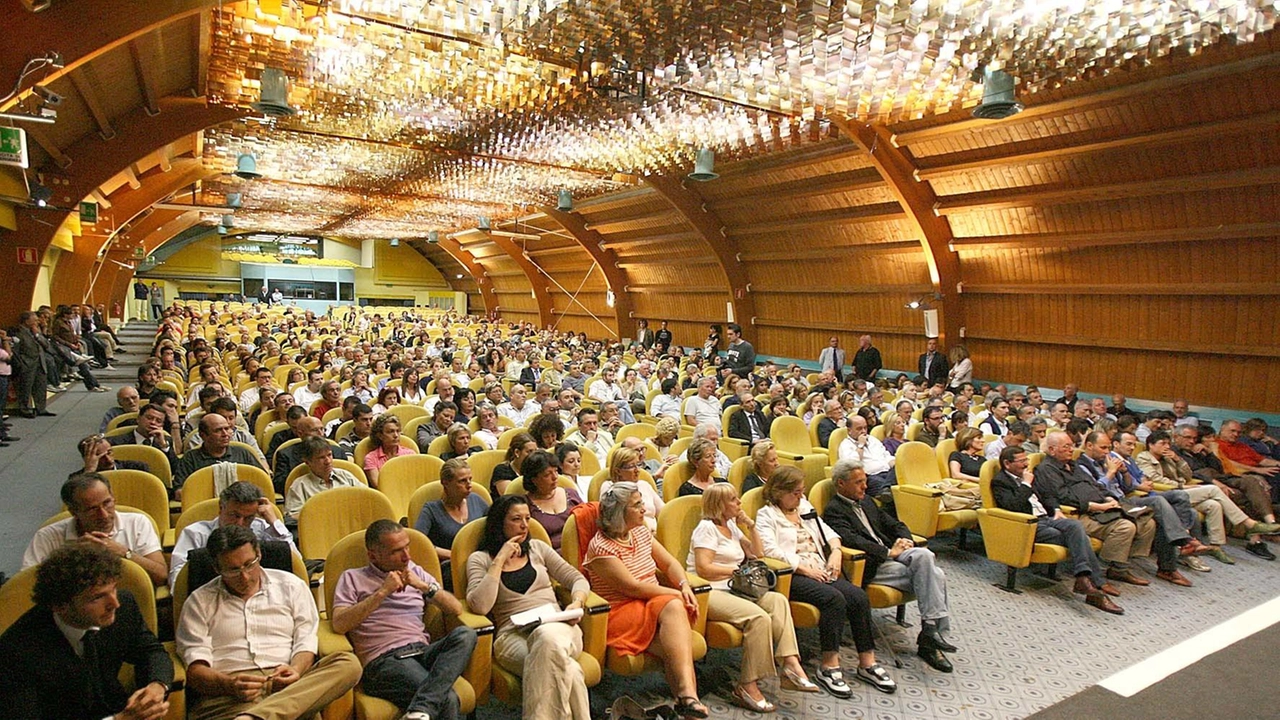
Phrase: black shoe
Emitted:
{"points": [[10, 439], [930, 637], [46, 413], [28, 414], [935, 659], [1261, 550], [3, 444]]}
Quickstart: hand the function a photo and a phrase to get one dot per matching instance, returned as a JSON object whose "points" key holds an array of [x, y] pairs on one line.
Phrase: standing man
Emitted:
{"points": [[933, 365], [866, 362], [892, 558], [644, 336], [662, 340], [248, 639], [381, 605], [157, 301], [62, 658], [33, 379], [141, 296], [740, 358], [831, 359]]}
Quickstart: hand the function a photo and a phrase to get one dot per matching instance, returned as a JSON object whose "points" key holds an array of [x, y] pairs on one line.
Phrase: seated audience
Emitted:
{"points": [[749, 424], [386, 445], [625, 467], [489, 431], [511, 573], [590, 436], [241, 503], [98, 455], [459, 436], [321, 475], [522, 445], [549, 503], [440, 520], [127, 399], [861, 446], [702, 456], [215, 447], [248, 639], [764, 460], [965, 464]]}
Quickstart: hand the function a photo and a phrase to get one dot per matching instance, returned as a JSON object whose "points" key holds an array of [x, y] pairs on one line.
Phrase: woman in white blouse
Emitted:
{"points": [[790, 530], [961, 367], [717, 549]]}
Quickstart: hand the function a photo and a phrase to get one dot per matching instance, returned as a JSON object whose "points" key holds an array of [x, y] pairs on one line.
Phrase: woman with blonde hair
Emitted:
{"points": [[764, 460], [717, 549], [625, 467], [961, 367]]}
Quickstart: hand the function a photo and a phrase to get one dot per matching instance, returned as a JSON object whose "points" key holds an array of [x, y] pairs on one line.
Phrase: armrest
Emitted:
{"points": [[853, 562], [480, 666], [1009, 515], [920, 491], [1162, 487], [918, 508], [784, 573], [1069, 511], [595, 627], [919, 540], [331, 641]]}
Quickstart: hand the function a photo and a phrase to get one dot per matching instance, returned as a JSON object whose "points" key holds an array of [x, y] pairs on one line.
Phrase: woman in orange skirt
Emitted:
{"points": [[622, 563]]}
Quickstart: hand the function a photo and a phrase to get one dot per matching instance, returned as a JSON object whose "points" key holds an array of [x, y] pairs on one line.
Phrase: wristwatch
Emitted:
{"points": [[128, 554], [431, 591]]}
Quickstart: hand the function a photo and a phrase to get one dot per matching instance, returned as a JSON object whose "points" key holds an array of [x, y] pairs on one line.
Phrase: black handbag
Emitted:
{"points": [[752, 579]]}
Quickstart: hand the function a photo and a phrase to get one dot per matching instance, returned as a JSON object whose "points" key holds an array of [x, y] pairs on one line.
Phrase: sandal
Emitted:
{"points": [[740, 698], [791, 681], [690, 707]]}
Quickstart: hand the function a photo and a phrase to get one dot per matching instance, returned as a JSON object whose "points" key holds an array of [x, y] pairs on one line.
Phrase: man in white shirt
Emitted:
{"points": [[310, 392], [321, 475], [865, 449], [703, 408], [94, 520], [444, 393], [1018, 433], [248, 639], [241, 503], [668, 403], [518, 409], [607, 390], [590, 436], [262, 378]]}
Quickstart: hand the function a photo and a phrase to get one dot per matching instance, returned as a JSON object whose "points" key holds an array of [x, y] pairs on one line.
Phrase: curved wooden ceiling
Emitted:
{"points": [[1091, 228]]}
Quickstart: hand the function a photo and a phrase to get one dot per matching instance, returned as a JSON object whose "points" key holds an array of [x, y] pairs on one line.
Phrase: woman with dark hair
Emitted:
{"points": [[711, 346], [547, 431], [388, 397], [511, 573], [385, 437], [549, 503], [441, 519], [506, 471], [465, 399]]}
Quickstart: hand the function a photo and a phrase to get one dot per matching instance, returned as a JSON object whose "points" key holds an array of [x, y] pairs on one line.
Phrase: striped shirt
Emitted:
{"points": [[636, 554]]}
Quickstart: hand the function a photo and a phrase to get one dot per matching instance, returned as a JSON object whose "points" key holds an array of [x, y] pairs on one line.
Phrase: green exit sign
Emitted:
{"points": [[88, 213], [13, 146]]}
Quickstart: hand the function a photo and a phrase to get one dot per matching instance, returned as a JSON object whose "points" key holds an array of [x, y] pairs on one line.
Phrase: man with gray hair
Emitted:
{"points": [[892, 558], [704, 407], [241, 503]]}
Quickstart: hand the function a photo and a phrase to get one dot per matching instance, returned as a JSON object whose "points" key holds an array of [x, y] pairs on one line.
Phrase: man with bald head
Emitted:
{"points": [[215, 447], [878, 464], [126, 402], [867, 362], [287, 458]]}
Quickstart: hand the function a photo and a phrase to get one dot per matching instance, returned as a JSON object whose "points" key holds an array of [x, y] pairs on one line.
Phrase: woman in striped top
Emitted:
{"points": [[622, 563]]}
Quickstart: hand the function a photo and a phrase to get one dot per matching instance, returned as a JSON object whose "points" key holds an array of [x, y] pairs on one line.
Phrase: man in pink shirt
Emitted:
{"points": [[379, 607]]}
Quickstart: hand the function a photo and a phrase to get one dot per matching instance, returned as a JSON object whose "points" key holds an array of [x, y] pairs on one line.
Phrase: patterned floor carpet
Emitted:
{"points": [[1018, 653]]}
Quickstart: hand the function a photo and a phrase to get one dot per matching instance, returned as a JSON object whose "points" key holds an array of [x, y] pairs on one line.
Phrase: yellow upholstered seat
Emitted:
{"points": [[919, 506]]}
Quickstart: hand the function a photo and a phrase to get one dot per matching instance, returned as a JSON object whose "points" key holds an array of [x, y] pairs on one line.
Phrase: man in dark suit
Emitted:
{"points": [[831, 359], [531, 375], [892, 558], [933, 365], [644, 336], [62, 658], [151, 431], [33, 380], [748, 423], [1014, 490]]}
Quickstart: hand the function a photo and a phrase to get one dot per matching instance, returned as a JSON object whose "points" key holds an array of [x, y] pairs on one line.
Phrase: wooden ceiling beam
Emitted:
{"points": [[879, 212], [841, 182], [61, 159], [1172, 78], [607, 226], [1031, 197], [1175, 289], [612, 200], [808, 155], [937, 166], [917, 200], [687, 201], [832, 252], [606, 259], [143, 51], [532, 273], [1074, 240], [484, 284], [690, 236], [93, 101]]}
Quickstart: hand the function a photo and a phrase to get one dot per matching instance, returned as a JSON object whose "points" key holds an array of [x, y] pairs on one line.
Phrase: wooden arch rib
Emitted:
{"points": [[606, 259], [149, 233], [96, 162], [918, 201], [468, 261], [693, 208], [537, 282], [104, 26], [73, 278]]}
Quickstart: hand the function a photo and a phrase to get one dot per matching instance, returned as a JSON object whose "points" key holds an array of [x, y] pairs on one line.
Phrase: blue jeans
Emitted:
{"points": [[423, 683], [1071, 534]]}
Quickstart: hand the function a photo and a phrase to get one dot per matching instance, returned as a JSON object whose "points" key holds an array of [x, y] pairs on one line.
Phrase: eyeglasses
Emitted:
{"points": [[629, 466], [244, 569]]}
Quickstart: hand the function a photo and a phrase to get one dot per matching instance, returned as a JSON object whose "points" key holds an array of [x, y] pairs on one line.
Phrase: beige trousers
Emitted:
{"points": [[766, 627], [546, 661], [325, 682], [1123, 538], [1210, 500]]}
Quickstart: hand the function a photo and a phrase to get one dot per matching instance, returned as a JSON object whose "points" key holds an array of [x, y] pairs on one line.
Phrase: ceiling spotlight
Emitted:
{"points": [[234, 200], [565, 202], [47, 96], [484, 222], [247, 167], [395, 242], [609, 298], [704, 166], [40, 194], [999, 101], [459, 276], [433, 237], [274, 100], [228, 221], [914, 305]]}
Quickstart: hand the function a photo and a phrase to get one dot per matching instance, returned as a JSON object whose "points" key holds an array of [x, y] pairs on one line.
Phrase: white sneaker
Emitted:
{"points": [[415, 715]]}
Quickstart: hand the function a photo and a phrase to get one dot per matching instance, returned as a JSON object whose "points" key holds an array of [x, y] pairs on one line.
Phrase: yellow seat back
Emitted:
{"points": [[199, 485], [917, 464], [403, 475], [144, 491], [333, 514], [790, 435], [943, 452], [433, 491]]}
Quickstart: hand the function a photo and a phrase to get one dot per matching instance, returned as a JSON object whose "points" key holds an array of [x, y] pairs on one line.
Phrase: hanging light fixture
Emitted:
{"points": [[433, 237], [704, 166], [247, 167], [565, 203], [234, 200], [484, 222], [274, 100], [999, 101], [395, 242]]}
